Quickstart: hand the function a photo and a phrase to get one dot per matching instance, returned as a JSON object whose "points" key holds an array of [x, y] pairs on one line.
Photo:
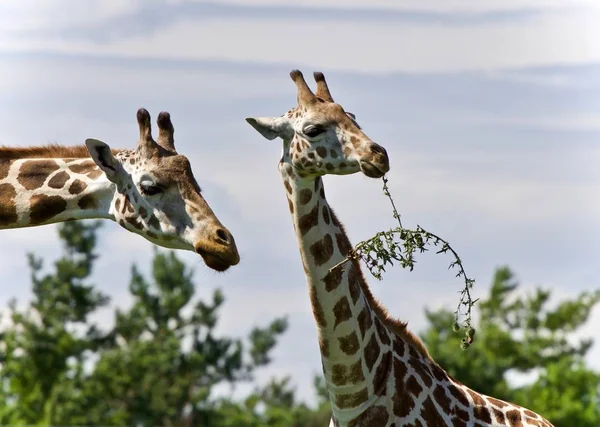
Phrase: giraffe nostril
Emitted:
{"points": [[222, 236], [378, 149]]}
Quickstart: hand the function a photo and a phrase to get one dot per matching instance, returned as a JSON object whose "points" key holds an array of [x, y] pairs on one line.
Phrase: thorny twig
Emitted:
{"points": [[400, 244]]}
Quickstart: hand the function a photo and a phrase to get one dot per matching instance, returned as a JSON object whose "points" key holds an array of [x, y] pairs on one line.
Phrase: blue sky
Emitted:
{"points": [[490, 112]]}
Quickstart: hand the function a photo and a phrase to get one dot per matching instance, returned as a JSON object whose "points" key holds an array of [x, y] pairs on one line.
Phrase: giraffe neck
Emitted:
{"points": [[48, 190], [375, 370], [354, 343]]}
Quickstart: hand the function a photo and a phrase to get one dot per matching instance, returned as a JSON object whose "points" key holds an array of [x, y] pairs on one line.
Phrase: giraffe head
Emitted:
{"points": [[157, 196], [320, 137]]}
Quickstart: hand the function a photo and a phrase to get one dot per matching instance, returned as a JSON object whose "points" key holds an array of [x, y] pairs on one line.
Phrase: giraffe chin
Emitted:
{"points": [[214, 261], [370, 170]]}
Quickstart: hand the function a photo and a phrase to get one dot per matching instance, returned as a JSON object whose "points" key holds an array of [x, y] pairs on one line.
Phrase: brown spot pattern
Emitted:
{"points": [[381, 373], [34, 173], [439, 394], [399, 347], [343, 243], [324, 346], [354, 284], [322, 151], [4, 168], [153, 222], [134, 222], [308, 221], [375, 416], [304, 196], [371, 352], [365, 321], [400, 371], [413, 386], [77, 186], [326, 214], [127, 206], [438, 372], [333, 279], [514, 418], [430, 414], [8, 210], [342, 374], [458, 395], [384, 336], [316, 307], [498, 403], [59, 180], [461, 414], [44, 208], [95, 173], [349, 344], [322, 250], [403, 403], [530, 414], [88, 202], [288, 187], [477, 399], [482, 414], [351, 400], [83, 167], [341, 311]]}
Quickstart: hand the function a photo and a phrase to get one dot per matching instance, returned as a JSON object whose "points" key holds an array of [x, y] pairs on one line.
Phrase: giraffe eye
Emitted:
{"points": [[313, 131], [149, 189]]}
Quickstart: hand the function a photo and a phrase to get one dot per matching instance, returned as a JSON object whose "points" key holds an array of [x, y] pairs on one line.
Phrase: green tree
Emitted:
{"points": [[274, 405], [157, 366], [53, 332], [165, 361], [520, 333]]}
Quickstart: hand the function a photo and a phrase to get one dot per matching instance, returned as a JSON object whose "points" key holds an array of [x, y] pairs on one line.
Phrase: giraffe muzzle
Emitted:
{"points": [[376, 163], [219, 251]]}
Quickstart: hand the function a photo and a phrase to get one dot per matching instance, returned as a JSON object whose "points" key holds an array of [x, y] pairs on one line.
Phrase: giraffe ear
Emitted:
{"points": [[103, 157], [269, 127]]}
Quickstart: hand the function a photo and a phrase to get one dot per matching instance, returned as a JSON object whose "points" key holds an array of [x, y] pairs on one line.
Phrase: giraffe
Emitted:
{"points": [[150, 191], [377, 372]]}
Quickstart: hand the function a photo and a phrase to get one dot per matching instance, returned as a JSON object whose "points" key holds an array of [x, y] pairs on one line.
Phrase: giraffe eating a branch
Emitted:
{"points": [[377, 372], [150, 191]]}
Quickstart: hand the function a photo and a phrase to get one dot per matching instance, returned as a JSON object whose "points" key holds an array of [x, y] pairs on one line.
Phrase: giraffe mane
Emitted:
{"points": [[53, 151], [397, 326]]}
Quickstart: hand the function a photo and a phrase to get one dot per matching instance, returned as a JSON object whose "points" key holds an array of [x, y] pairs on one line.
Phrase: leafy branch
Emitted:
{"points": [[399, 245]]}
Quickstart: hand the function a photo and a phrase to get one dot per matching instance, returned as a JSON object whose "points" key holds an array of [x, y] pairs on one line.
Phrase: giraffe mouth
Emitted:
{"points": [[370, 170], [214, 261]]}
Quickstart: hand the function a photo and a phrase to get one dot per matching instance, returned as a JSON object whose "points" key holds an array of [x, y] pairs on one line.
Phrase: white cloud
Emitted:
{"points": [[569, 37], [568, 122], [445, 6], [116, 79], [555, 79], [26, 15]]}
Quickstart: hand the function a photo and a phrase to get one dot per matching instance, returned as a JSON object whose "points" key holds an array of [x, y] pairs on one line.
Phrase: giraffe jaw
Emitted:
{"points": [[370, 170], [216, 259]]}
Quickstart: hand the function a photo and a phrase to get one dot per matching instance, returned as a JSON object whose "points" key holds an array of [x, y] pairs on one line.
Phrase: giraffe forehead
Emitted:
{"points": [[323, 113], [176, 170]]}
